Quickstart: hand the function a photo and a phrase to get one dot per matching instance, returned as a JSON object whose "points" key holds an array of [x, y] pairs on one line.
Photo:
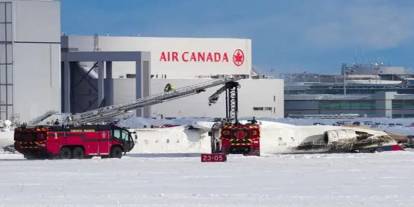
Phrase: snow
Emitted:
{"points": [[6, 137], [378, 179], [177, 139]]}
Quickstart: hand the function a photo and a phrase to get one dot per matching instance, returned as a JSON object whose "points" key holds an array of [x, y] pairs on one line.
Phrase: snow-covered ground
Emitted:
{"points": [[379, 179]]}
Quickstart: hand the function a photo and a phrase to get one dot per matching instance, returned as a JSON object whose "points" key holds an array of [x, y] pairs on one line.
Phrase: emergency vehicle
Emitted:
{"points": [[68, 142]]}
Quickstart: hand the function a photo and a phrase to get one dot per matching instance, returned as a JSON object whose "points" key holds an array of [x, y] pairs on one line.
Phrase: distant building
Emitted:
{"points": [[382, 104], [371, 90]]}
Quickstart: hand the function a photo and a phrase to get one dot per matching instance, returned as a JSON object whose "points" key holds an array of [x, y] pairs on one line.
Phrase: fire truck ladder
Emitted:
{"points": [[230, 88], [106, 113]]}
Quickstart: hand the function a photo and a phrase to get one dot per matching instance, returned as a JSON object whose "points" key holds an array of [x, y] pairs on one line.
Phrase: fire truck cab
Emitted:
{"points": [[77, 142]]}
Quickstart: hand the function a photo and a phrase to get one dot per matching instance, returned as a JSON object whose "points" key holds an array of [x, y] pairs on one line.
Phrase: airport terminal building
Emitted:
{"points": [[367, 90]]}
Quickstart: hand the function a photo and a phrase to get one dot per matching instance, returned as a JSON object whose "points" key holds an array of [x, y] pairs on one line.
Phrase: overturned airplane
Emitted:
{"points": [[275, 138]]}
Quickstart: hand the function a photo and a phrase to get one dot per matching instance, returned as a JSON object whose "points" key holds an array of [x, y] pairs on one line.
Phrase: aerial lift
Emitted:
{"points": [[229, 136], [93, 133]]}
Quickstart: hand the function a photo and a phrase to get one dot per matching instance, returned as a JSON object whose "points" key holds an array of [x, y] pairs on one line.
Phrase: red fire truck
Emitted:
{"points": [[230, 136], [76, 142]]}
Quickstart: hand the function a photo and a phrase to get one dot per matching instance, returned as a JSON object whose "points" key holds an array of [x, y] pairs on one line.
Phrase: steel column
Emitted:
{"points": [[66, 87], [109, 85], [138, 82], [101, 89]]}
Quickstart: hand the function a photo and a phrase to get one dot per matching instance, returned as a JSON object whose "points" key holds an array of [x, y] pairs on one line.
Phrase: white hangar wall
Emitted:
{"points": [[257, 97], [174, 57]]}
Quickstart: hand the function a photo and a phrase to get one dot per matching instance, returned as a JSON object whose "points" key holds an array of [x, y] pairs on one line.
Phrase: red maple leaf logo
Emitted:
{"points": [[238, 57]]}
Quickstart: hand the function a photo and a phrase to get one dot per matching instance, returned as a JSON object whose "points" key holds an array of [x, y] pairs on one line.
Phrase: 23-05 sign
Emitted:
{"points": [[214, 157]]}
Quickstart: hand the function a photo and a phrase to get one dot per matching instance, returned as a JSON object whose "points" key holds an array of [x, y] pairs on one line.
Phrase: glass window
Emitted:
{"points": [[117, 133], [396, 116], [409, 104], [9, 94], [346, 105], [2, 53], [9, 53], [3, 94], [124, 135], [9, 111], [2, 74], [8, 12], [5, 27], [2, 33], [3, 112], [2, 12], [121, 134], [396, 104], [9, 74], [9, 32]]}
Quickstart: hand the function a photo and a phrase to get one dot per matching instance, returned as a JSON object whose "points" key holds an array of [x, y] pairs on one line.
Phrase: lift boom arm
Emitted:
{"points": [[108, 112], [231, 100]]}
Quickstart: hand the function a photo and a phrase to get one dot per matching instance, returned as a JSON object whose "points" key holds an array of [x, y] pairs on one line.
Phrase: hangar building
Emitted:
{"points": [[180, 62]]}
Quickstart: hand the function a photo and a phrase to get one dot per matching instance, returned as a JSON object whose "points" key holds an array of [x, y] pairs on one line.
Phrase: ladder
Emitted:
{"points": [[232, 107], [106, 113]]}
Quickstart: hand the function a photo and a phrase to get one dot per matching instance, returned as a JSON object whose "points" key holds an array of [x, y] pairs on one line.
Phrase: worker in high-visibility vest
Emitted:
{"points": [[168, 88]]}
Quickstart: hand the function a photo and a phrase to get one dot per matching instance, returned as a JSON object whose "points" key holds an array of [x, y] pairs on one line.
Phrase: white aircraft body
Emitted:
{"points": [[275, 138], [6, 134]]}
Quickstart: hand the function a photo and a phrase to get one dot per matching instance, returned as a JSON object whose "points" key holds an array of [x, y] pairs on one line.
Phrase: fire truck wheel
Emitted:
{"points": [[78, 153], [65, 153], [116, 152]]}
